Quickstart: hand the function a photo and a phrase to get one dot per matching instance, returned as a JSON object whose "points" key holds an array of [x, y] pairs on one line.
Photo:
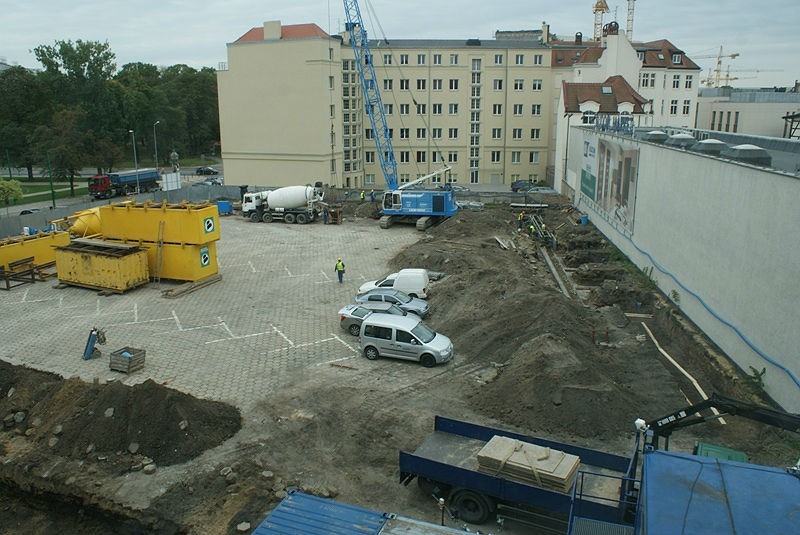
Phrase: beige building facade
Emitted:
{"points": [[757, 112]]}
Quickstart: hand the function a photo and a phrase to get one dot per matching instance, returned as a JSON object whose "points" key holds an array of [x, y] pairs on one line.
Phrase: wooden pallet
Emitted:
{"points": [[190, 287], [529, 463]]}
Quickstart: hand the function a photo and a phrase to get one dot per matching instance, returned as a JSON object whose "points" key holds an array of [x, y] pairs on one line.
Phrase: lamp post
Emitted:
{"points": [[155, 142], [135, 161]]}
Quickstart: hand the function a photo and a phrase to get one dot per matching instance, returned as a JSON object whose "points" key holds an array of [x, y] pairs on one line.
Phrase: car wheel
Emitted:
{"points": [[427, 360], [471, 506], [371, 353], [354, 329], [267, 217], [302, 219], [254, 217], [289, 218]]}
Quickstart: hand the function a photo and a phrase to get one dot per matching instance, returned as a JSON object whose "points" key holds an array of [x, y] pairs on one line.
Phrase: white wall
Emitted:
{"points": [[727, 233]]}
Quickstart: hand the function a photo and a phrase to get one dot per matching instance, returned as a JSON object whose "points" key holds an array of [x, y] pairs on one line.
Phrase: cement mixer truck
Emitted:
{"points": [[291, 204]]}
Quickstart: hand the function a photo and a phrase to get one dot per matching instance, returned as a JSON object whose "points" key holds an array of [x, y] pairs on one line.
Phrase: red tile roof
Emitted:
{"points": [[289, 31], [659, 54], [576, 94]]}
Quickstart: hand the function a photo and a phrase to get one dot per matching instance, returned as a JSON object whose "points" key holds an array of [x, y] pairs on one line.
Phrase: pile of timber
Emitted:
{"points": [[528, 463]]}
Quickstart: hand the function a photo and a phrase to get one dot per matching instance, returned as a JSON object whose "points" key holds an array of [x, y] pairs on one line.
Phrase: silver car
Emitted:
{"points": [[403, 337], [396, 297], [351, 316]]}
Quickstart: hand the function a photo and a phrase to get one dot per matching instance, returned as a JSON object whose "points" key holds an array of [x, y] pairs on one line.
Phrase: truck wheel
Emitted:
{"points": [[472, 507], [354, 329], [289, 218], [427, 360], [302, 219], [254, 217], [371, 353], [267, 217]]}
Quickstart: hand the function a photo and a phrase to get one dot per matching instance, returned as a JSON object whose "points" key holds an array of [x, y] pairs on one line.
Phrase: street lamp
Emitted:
{"points": [[155, 142], [135, 161]]}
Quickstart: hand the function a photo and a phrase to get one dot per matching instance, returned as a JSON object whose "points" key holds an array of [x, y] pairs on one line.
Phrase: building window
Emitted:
{"points": [[497, 109], [537, 85], [404, 84], [495, 156], [676, 58], [453, 109], [404, 178], [421, 156], [517, 109], [673, 107], [519, 59], [369, 156], [436, 133], [330, 82], [476, 65], [437, 109], [519, 85], [403, 59], [453, 84], [497, 133], [421, 109], [688, 83], [536, 109], [474, 141], [473, 176], [535, 133], [452, 156], [515, 156], [404, 109], [713, 117], [437, 59], [474, 116], [437, 84], [333, 111], [403, 132], [387, 84], [453, 59], [421, 84], [333, 166], [405, 156], [735, 121], [517, 134], [476, 91], [345, 65], [452, 133], [475, 128], [640, 55], [420, 133], [588, 117], [676, 81], [498, 84], [498, 59], [435, 157], [421, 59], [533, 157], [388, 108], [476, 78], [687, 107], [537, 59], [387, 59], [648, 80], [475, 104]]}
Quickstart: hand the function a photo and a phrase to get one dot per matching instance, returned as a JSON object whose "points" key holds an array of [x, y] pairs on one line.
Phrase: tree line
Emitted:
{"points": [[79, 109]]}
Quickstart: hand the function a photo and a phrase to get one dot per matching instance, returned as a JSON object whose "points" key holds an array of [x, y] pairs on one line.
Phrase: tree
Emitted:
{"points": [[64, 143], [10, 191]]}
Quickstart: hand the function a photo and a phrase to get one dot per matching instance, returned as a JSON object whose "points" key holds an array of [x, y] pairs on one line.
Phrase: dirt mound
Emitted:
{"points": [[168, 426]]}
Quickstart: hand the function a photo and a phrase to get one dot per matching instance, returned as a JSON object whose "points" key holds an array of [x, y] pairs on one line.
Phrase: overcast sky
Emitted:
{"points": [[194, 32]]}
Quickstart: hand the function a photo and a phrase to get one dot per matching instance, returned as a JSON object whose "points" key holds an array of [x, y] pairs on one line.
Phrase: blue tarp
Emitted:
{"points": [[690, 495], [300, 513]]}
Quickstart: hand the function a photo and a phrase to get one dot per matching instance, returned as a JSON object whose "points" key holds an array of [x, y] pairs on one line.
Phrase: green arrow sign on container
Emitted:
{"points": [[208, 224], [205, 258]]}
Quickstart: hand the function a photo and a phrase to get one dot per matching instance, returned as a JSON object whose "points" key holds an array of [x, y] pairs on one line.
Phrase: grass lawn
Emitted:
{"points": [[45, 195]]}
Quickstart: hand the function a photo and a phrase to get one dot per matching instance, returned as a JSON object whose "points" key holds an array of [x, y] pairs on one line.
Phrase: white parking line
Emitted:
{"points": [[225, 326], [177, 321], [140, 322], [327, 278], [237, 337], [348, 346], [335, 360], [281, 335], [301, 345], [287, 271], [252, 267], [25, 295], [136, 312], [104, 314]]}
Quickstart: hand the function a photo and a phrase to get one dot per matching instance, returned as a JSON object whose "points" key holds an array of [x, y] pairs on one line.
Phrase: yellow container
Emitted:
{"points": [[181, 262], [183, 223], [102, 265], [40, 246]]}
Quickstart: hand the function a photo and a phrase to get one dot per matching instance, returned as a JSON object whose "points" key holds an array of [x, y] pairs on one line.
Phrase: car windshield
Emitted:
{"points": [[403, 298], [360, 312], [423, 332], [396, 310]]}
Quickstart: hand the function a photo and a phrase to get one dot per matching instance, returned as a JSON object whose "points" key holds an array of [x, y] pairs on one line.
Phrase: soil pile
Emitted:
{"points": [[163, 424]]}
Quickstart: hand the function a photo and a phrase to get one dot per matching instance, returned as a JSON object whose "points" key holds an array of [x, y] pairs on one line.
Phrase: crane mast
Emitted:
{"points": [[372, 96]]}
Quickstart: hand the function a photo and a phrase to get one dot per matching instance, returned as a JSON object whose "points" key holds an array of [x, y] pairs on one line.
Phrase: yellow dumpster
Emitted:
{"points": [[39, 246], [182, 223], [102, 265]]}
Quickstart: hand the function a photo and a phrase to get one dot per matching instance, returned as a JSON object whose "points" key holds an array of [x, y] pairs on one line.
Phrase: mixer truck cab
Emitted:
{"points": [[290, 204]]}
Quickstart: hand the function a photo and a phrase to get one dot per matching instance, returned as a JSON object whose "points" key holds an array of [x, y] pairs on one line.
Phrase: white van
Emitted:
{"points": [[413, 282], [403, 337]]}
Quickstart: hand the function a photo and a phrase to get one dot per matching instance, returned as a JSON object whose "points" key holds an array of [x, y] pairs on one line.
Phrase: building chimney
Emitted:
{"points": [[579, 38], [545, 33], [272, 30]]}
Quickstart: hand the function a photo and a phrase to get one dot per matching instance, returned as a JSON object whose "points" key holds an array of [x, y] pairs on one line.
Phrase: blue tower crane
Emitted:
{"points": [[399, 203]]}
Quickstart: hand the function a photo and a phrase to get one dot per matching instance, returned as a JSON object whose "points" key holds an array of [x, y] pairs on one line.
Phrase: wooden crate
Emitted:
{"points": [[132, 361], [529, 463]]}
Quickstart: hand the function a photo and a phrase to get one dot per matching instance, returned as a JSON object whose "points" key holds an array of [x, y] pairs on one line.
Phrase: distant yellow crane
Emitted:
{"points": [[600, 8], [715, 75]]}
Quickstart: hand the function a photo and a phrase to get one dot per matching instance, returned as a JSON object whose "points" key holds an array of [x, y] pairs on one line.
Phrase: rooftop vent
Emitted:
{"points": [[711, 147], [751, 154], [653, 136], [473, 42], [681, 141], [579, 38]]}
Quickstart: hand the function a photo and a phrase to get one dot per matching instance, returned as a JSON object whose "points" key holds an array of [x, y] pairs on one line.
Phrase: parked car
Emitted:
{"points": [[351, 316], [414, 282], [396, 297], [218, 181], [30, 211], [522, 185], [206, 171], [403, 337]]}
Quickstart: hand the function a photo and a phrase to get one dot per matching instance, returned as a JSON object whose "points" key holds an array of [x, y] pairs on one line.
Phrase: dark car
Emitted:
{"points": [[30, 211], [522, 185], [206, 171]]}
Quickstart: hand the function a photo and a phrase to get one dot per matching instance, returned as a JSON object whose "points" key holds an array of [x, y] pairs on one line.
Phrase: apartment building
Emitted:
{"points": [[761, 112]]}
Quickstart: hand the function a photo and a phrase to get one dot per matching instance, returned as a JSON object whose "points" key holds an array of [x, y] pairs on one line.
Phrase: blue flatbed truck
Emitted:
{"points": [[123, 183]]}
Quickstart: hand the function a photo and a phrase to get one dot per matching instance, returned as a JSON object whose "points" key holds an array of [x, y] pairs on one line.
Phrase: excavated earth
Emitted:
{"points": [[571, 368]]}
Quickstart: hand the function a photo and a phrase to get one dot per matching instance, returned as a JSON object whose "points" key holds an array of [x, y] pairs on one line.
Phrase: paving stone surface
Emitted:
{"points": [[271, 319]]}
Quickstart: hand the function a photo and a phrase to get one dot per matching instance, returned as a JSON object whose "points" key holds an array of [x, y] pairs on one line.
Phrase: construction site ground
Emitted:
{"points": [[251, 388]]}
